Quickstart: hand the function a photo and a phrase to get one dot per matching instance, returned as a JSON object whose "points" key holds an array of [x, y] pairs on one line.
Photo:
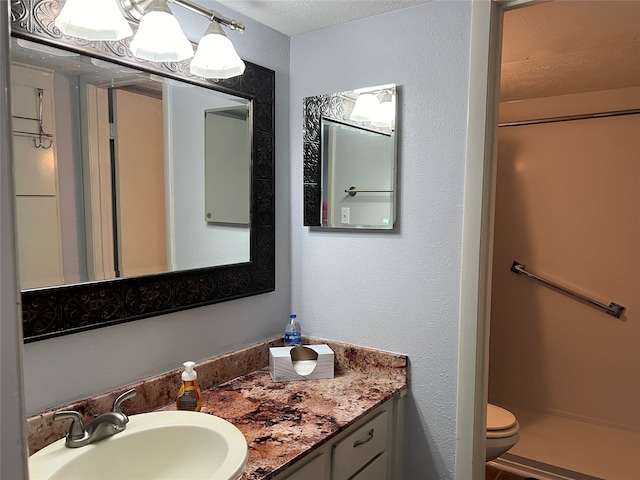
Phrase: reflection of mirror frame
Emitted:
{"points": [[63, 310], [332, 106], [313, 110]]}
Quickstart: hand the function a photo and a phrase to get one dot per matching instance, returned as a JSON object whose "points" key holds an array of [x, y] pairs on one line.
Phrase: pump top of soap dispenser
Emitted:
{"points": [[189, 373]]}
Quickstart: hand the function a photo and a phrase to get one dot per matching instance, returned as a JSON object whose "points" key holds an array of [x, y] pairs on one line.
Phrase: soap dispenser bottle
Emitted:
{"points": [[292, 332], [189, 396]]}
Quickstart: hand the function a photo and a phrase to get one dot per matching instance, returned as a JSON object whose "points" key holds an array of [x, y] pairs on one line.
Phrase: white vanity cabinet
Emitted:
{"points": [[370, 449]]}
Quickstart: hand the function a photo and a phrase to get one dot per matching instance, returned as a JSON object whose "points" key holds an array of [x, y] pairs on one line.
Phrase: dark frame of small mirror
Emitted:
{"points": [[63, 310], [314, 108]]}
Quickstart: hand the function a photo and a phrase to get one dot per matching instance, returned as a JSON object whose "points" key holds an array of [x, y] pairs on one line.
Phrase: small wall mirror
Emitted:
{"points": [[227, 164], [350, 158]]}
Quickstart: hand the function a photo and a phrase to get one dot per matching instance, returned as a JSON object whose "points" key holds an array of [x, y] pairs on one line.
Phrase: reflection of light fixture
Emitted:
{"points": [[159, 37], [376, 106], [366, 106], [216, 57], [154, 40], [385, 115], [95, 20]]}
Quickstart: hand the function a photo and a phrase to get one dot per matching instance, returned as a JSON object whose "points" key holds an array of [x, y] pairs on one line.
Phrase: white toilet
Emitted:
{"points": [[502, 431]]}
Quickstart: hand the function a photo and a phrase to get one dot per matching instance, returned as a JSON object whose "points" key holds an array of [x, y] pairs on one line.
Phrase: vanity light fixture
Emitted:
{"points": [[159, 37], [215, 56], [95, 20]]}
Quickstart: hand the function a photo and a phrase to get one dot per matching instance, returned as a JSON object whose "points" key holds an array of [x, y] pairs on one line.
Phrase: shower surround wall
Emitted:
{"points": [[568, 207]]}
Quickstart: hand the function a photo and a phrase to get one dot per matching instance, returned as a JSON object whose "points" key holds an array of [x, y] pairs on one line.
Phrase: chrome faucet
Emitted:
{"points": [[103, 426]]}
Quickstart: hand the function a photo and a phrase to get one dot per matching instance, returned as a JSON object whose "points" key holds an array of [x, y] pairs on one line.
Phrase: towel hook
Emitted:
{"points": [[42, 140]]}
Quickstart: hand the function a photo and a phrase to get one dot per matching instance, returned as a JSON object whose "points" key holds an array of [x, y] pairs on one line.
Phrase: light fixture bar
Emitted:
{"points": [[135, 9], [210, 14]]}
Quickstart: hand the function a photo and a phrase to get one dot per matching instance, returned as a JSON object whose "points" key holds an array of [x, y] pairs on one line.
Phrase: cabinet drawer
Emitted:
{"points": [[376, 470], [355, 451], [315, 469]]}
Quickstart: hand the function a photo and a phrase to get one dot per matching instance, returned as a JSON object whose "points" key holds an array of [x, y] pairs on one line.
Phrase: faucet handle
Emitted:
{"points": [[121, 398], [77, 430]]}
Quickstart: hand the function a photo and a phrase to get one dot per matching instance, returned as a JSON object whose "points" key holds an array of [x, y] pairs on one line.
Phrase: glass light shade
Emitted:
{"points": [[385, 115], [93, 20], [215, 56], [366, 107], [160, 39]]}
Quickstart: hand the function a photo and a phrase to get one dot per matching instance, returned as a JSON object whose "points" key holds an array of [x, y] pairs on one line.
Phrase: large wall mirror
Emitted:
{"points": [[349, 143], [140, 189]]}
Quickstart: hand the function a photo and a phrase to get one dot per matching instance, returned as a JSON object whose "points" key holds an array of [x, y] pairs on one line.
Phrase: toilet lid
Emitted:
{"points": [[499, 418]]}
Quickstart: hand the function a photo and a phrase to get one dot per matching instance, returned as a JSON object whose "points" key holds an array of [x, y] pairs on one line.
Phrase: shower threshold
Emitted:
{"points": [[538, 470]]}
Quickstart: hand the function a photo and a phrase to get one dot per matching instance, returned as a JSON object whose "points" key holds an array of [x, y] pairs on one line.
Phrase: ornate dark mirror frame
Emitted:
{"points": [[63, 310], [314, 108]]}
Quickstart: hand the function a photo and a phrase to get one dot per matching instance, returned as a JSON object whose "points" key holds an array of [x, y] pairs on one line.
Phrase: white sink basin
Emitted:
{"points": [[159, 445]]}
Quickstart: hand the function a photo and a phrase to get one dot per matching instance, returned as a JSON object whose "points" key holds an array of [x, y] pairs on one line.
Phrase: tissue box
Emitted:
{"points": [[305, 362]]}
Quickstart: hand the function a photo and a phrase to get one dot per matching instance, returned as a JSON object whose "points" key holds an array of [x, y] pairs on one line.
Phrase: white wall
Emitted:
{"points": [[360, 158], [69, 160], [60, 370], [195, 242], [395, 290]]}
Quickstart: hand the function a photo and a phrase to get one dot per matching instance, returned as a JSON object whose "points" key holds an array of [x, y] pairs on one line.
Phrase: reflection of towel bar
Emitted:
{"points": [[353, 190], [613, 308], [26, 118], [40, 138], [31, 134]]}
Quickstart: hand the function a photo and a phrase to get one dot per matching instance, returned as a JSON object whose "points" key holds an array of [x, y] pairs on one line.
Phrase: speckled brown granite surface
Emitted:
{"points": [[281, 421], [152, 393]]}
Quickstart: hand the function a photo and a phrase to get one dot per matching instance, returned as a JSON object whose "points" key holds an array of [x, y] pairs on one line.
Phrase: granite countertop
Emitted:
{"points": [[282, 421]]}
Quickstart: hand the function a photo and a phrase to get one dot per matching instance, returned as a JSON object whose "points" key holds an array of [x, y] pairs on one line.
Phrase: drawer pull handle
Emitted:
{"points": [[357, 443]]}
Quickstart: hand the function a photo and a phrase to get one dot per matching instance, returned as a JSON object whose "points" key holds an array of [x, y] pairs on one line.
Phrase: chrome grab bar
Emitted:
{"points": [[613, 308]]}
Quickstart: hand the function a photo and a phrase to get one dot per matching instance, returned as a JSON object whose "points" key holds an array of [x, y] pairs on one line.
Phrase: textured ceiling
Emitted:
{"points": [[293, 17], [550, 48], [562, 47]]}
